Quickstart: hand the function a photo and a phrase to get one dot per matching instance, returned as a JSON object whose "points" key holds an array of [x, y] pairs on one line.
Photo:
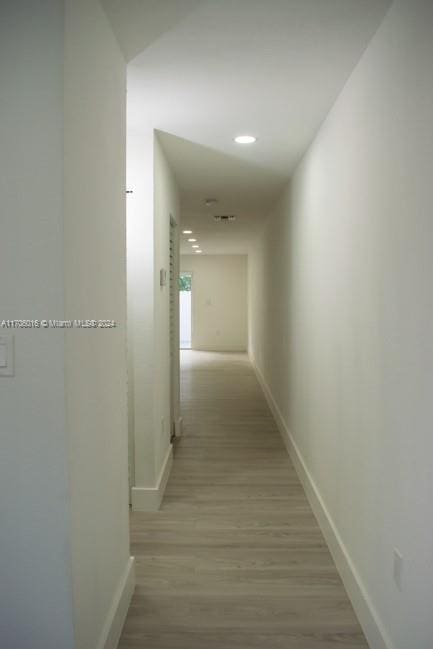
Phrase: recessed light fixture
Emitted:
{"points": [[210, 201], [245, 139], [195, 246], [192, 240], [198, 252], [186, 231]]}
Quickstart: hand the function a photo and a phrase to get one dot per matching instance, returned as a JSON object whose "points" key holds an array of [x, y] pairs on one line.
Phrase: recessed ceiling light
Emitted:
{"points": [[186, 231], [210, 201], [192, 240], [195, 246], [245, 139], [198, 252]]}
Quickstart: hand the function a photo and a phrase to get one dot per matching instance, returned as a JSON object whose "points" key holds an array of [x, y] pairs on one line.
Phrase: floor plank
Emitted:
{"points": [[235, 558]]}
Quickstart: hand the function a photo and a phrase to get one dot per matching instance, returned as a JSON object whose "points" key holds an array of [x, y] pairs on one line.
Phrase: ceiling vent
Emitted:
{"points": [[224, 217]]}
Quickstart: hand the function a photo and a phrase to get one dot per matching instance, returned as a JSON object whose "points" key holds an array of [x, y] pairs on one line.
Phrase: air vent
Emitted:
{"points": [[224, 217]]}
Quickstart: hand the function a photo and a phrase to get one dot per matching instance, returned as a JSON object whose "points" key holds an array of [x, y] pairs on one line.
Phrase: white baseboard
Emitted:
{"points": [[113, 626], [178, 427], [368, 617], [148, 499]]}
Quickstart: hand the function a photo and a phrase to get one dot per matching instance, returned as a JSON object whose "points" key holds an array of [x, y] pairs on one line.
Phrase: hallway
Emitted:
{"points": [[234, 558]]}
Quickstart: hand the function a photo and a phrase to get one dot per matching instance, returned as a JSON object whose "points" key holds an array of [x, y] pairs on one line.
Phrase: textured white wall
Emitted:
{"points": [[219, 301], [95, 287], [341, 317]]}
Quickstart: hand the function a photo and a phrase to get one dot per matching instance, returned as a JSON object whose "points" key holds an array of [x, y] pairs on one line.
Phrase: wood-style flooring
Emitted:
{"points": [[234, 559]]}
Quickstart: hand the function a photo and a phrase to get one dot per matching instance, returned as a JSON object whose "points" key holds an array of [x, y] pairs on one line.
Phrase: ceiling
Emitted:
{"points": [[138, 23], [213, 69], [243, 189]]}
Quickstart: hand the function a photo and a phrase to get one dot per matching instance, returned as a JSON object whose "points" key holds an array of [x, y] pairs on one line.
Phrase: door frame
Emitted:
{"points": [[174, 256]]}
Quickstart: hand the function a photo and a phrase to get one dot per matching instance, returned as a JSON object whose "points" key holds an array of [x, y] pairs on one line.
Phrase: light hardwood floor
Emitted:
{"points": [[235, 558]]}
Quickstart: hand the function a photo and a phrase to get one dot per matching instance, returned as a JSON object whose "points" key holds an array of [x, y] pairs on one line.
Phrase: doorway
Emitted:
{"points": [[185, 310]]}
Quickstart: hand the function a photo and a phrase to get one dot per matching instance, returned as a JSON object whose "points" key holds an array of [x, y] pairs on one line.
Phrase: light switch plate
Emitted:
{"points": [[6, 355]]}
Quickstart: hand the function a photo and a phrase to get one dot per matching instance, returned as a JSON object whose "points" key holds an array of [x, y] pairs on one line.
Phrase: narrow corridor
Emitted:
{"points": [[235, 558]]}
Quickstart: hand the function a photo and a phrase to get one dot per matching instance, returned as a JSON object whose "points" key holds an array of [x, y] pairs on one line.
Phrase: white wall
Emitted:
{"points": [[166, 203], [95, 287], [140, 283], [64, 527], [219, 301], [35, 579], [341, 317], [154, 198]]}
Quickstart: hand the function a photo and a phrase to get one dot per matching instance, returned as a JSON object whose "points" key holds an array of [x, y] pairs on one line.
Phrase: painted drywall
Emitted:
{"points": [[35, 591], [64, 531], [166, 206], [154, 199], [341, 315], [95, 288], [219, 301], [140, 292]]}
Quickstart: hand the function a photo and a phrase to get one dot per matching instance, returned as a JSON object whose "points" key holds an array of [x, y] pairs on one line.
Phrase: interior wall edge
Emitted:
{"points": [[148, 499], [117, 614]]}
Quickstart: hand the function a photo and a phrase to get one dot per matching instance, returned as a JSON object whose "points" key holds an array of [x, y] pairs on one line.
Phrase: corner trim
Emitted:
{"points": [[115, 620], [148, 499], [369, 619]]}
